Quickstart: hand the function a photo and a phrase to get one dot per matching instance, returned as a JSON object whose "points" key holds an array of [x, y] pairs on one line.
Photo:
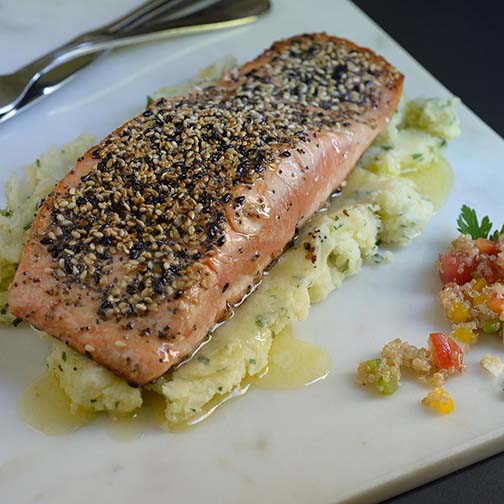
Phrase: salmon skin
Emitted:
{"points": [[139, 251]]}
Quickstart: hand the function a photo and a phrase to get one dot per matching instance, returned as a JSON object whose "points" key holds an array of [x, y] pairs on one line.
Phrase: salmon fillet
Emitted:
{"points": [[140, 251]]}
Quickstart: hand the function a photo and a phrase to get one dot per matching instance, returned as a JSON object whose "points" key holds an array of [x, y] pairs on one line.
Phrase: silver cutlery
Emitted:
{"points": [[151, 21]]}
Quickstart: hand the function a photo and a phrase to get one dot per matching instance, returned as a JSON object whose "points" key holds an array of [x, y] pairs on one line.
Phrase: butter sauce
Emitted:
{"points": [[45, 407], [433, 180], [293, 363]]}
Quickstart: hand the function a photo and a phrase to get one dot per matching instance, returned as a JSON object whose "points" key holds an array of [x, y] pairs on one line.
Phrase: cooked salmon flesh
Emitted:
{"points": [[142, 248]]}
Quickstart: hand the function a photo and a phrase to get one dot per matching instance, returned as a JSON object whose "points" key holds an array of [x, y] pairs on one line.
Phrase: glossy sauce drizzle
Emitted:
{"points": [[293, 363], [433, 181], [45, 407]]}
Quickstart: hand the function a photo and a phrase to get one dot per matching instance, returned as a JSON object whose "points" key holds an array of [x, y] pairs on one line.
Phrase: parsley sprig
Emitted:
{"points": [[468, 224]]}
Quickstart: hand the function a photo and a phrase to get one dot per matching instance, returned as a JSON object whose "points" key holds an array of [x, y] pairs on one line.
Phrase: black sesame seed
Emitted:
{"points": [[156, 198], [212, 231]]}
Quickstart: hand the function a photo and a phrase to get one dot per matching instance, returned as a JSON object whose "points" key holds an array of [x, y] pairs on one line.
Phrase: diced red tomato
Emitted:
{"points": [[445, 352], [488, 269], [455, 267], [459, 268], [486, 246]]}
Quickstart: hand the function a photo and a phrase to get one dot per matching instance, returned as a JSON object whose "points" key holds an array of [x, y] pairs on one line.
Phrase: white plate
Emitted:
{"points": [[330, 442]]}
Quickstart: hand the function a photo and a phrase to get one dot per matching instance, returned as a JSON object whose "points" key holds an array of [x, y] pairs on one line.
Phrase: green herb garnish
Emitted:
{"points": [[416, 155], [492, 327], [203, 359], [37, 162], [467, 223], [252, 361], [63, 356], [387, 147], [5, 212], [377, 258], [150, 101]]}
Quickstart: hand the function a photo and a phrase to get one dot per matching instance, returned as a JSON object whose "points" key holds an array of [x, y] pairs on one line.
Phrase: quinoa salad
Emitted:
{"points": [[472, 298]]}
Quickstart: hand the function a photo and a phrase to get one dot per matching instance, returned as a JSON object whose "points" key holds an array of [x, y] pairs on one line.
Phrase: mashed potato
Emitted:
{"points": [[377, 206], [23, 198]]}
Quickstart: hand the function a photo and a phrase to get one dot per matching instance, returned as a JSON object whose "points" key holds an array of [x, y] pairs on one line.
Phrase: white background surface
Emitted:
{"points": [[328, 443]]}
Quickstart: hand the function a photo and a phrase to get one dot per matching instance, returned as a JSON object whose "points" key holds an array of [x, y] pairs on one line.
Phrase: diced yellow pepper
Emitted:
{"points": [[480, 284], [465, 335], [439, 400], [458, 313], [481, 299]]}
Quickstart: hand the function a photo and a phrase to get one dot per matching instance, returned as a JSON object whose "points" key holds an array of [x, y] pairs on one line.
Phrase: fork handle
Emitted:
{"points": [[82, 43], [200, 19]]}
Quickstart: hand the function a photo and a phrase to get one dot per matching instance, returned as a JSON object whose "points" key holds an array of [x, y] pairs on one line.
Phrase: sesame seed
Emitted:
{"points": [[158, 194]]}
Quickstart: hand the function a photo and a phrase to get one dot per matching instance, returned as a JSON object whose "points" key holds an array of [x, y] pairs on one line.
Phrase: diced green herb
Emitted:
{"points": [[92, 401], [37, 162], [416, 155], [220, 389], [203, 359], [116, 405], [3, 310], [16, 321], [149, 100], [377, 258], [491, 327], [260, 322], [60, 368], [372, 365], [443, 143], [387, 147], [467, 223], [386, 388], [63, 356], [27, 226], [5, 212], [252, 361]]}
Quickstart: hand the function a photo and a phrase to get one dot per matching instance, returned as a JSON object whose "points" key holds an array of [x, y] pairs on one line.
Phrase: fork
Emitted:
{"points": [[15, 86]]}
